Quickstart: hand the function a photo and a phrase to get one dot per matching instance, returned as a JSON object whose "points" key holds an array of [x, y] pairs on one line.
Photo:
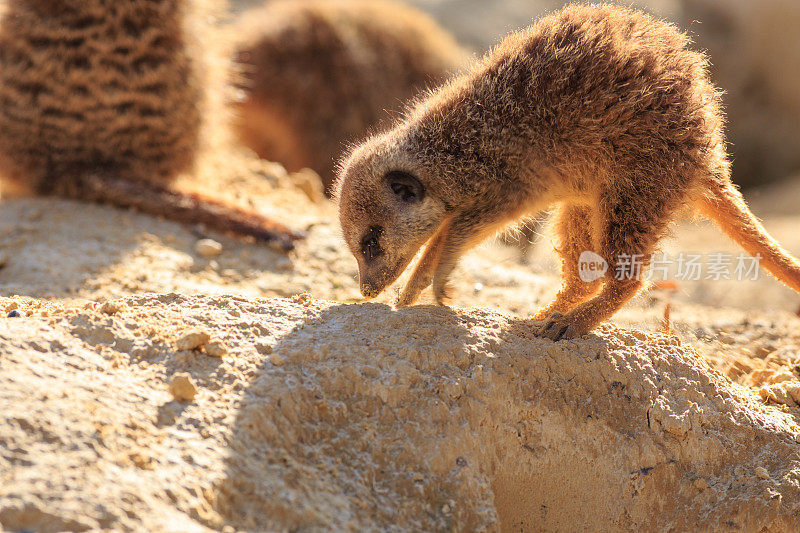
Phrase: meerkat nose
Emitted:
{"points": [[367, 291]]}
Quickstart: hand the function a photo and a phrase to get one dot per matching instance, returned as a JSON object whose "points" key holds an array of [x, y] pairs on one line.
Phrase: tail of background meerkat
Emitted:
{"points": [[723, 203], [182, 207]]}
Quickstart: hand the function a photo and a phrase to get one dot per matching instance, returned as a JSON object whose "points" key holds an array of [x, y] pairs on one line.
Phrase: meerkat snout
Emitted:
{"points": [[387, 216]]}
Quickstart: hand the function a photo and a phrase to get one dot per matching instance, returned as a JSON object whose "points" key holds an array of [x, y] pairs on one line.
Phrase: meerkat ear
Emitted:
{"points": [[405, 186]]}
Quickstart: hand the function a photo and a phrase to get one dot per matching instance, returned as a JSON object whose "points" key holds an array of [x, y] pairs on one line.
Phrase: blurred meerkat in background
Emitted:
{"points": [[103, 100], [318, 74]]}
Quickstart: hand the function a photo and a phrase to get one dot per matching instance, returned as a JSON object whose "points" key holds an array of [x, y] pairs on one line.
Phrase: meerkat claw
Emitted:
{"points": [[556, 327]]}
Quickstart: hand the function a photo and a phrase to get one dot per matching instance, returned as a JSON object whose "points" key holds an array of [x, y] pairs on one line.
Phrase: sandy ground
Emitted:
{"points": [[326, 412]]}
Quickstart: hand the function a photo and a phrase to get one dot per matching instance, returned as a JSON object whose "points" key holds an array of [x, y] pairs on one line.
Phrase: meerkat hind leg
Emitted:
{"points": [[574, 229], [632, 226]]}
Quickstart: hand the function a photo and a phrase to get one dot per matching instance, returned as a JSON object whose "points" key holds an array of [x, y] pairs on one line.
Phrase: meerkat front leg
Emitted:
{"points": [[423, 272], [465, 231], [574, 228], [631, 227]]}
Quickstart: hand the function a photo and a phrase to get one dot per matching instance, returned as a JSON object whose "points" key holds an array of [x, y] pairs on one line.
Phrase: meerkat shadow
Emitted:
{"points": [[55, 248]]}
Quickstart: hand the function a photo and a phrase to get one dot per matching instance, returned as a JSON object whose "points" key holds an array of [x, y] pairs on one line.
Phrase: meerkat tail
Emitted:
{"points": [[187, 208], [724, 204]]}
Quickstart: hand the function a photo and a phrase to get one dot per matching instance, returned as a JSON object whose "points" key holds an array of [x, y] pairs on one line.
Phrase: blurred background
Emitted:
{"points": [[754, 47]]}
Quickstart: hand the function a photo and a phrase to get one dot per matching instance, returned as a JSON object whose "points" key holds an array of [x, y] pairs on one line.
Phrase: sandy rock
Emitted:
{"points": [[424, 418], [192, 340], [208, 248], [216, 348], [182, 387]]}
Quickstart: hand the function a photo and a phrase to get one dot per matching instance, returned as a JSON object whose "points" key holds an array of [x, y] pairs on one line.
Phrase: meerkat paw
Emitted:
{"points": [[558, 327], [408, 297], [441, 292], [411, 292]]}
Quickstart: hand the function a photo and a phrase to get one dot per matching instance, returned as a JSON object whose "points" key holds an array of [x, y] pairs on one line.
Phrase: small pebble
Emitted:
{"points": [[192, 340], [208, 248], [14, 314], [110, 307], [3, 259], [761, 472], [263, 346], [216, 348], [700, 484], [182, 387]]}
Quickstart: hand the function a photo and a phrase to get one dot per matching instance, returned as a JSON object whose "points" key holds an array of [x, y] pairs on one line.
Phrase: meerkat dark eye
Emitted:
{"points": [[370, 246], [405, 186]]}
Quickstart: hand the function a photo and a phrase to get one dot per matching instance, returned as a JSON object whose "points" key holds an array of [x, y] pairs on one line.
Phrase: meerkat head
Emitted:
{"points": [[388, 208]]}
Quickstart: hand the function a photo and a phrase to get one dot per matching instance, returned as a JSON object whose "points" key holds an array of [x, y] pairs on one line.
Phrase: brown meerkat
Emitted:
{"points": [[600, 110], [101, 100], [318, 74]]}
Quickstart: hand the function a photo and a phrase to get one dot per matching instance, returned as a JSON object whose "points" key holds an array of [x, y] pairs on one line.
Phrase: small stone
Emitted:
{"points": [[761, 472], [216, 348], [208, 248], [14, 314], [700, 484], [111, 307], [12, 306], [263, 346], [764, 350], [302, 298], [182, 387], [477, 288], [3, 259], [193, 340]]}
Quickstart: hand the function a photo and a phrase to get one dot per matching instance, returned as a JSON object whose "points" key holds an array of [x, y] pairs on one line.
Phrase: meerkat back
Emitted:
{"points": [[318, 75]]}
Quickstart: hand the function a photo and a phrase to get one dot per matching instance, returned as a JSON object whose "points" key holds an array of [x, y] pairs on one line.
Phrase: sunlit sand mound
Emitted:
{"points": [[323, 415]]}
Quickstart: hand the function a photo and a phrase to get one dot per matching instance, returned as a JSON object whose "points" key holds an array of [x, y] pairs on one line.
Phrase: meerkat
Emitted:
{"points": [[599, 110], [101, 100], [316, 75]]}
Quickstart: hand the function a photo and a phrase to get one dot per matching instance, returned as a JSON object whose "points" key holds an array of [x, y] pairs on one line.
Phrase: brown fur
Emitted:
{"points": [[600, 110], [319, 74], [101, 100]]}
